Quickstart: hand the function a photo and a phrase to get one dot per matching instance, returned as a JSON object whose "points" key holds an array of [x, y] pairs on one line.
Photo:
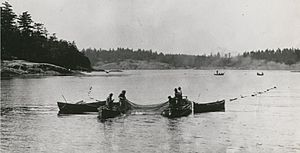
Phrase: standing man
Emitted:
{"points": [[177, 96], [122, 99], [109, 101], [179, 93]]}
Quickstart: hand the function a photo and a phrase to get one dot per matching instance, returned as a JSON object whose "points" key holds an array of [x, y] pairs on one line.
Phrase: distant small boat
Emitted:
{"points": [[260, 74], [219, 73]]}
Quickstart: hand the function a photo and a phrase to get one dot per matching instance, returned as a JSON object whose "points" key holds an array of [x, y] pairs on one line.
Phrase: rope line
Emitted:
{"points": [[253, 94]]}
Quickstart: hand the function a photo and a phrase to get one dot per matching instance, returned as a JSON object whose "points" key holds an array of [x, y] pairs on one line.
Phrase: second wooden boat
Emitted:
{"points": [[209, 107]]}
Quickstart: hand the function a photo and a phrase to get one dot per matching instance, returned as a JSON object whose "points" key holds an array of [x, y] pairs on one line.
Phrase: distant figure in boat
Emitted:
{"points": [[217, 73], [179, 93], [122, 99], [109, 101], [260, 74]]}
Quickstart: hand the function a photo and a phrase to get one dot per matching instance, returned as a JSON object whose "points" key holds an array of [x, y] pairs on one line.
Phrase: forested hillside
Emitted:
{"points": [[287, 56], [280, 58], [22, 38]]}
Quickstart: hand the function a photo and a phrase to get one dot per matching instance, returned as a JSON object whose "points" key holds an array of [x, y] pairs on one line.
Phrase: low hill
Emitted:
{"points": [[132, 65]]}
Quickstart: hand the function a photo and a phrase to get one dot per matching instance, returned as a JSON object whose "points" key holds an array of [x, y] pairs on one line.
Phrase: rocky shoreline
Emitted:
{"points": [[11, 68]]}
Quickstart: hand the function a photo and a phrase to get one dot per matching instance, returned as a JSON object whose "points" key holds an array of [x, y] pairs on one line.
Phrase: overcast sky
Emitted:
{"points": [[170, 26]]}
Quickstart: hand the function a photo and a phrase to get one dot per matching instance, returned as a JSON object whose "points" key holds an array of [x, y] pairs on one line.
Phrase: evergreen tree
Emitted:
{"points": [[8, 30], [25, 24], [30, 41]]}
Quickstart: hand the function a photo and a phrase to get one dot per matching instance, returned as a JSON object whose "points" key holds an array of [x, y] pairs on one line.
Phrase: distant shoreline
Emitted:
{"points": [[21, 68], [153, 65]]}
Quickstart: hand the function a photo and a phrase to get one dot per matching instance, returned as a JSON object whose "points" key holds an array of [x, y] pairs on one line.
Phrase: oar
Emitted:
{"points": [[89, 93], [64, 98], [192, 108]]}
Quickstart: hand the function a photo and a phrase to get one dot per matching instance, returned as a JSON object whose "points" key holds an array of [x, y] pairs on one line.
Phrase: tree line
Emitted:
{"points": [[176, 60], [22, 38], [286, 56]]}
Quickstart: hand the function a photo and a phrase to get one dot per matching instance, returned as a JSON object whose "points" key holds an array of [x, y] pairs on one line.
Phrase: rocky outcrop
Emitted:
{"points": [[25, 68]]}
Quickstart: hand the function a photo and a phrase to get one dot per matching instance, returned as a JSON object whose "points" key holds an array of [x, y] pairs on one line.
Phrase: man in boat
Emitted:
{"points": [[122, 99], [177, 97], [179, 93], [181, 102], [109, 101], [172, 102], [122, 95]]}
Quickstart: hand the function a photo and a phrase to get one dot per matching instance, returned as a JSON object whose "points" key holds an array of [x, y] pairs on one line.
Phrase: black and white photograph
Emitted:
{"points": [[150, 76]]}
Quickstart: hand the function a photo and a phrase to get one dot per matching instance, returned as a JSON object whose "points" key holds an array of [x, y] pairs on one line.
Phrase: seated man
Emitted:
{"points": [[171, 102], [122, 95]]}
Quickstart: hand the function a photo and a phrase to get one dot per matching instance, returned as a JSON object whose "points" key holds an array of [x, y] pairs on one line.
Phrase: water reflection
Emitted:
{"points": [[175, 135], [108, 135]]}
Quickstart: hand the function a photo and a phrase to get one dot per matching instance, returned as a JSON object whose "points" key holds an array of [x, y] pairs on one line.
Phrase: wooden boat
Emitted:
{"points": [[178, 111], [219, 73], [78, 108], [260, 74], [209, 107], [104, 112]]}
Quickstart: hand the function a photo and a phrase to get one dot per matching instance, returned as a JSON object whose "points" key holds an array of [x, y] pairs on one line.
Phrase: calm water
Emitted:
{"points": [[268, 122]]}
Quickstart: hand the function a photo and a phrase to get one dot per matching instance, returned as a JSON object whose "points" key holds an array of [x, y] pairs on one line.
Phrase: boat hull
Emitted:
{"points": [[219, 74], [209, 107], [259, 74], [178, 111], [71, 108], [105, 113]]}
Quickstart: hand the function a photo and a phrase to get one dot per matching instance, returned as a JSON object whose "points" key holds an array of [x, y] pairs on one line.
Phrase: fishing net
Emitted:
{"points": [[146, 109]]}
